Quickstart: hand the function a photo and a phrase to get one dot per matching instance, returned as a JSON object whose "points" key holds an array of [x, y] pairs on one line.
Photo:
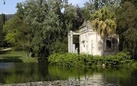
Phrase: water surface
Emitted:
{"points": [[33, 72]]}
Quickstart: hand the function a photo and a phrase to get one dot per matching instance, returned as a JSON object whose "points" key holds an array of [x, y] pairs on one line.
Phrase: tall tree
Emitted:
{"points": [[2, 23], [103, 21], [46, 25], [134, 2], [93, 5], [16, 33], [126, 21]]}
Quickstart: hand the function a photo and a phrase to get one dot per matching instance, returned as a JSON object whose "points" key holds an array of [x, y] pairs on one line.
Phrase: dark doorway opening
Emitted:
{"points": [[76, 42], [108, 44]]}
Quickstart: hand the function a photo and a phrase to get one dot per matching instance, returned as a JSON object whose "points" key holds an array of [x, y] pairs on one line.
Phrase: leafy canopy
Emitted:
{"points": [[103, 21]]}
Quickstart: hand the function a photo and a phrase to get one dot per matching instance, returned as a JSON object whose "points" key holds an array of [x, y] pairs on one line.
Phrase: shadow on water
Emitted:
{"points": [[32, 72], [11, 59]]}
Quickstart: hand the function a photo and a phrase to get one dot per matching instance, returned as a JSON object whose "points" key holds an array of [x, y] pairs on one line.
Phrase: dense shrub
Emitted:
{"points": [[69, 60]]}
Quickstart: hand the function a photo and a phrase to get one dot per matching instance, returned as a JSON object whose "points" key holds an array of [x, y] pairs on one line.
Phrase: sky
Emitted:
{"points": [[10, 6]]}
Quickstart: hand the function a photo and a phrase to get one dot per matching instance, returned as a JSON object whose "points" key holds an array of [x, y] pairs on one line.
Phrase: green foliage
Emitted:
{"points": [[70, 60], [132, 1], [59, 47], [40, 27], [2, 22], [103, 14], [94, 5], [16, 33], [43, 26], [103, 21], [126, 22], [11, 30]]}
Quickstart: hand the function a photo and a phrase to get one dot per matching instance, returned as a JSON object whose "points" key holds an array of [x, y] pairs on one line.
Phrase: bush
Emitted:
{"points": [[81, 60]]}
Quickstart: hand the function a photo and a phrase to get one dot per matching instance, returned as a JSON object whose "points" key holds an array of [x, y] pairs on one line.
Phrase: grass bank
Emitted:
{"points": [[73, 60], [15, 56]]}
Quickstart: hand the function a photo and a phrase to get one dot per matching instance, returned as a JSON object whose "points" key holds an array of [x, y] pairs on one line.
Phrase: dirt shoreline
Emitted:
{"points": [[40, 83], [64, 83]]}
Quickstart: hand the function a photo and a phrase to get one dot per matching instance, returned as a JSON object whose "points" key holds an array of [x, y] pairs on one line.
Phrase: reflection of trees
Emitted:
{"points": [[22, 73], [93, 76], [25, 73], [19, 73], [74, 75], [119, 76], [65, 73], [43, 71]]}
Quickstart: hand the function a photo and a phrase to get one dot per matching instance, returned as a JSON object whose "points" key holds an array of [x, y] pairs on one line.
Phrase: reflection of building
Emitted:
{"points": [[92, 80], [91, 43]]}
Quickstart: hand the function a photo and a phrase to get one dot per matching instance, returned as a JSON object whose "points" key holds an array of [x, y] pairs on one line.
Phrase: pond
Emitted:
{"points": [[33, 72]]}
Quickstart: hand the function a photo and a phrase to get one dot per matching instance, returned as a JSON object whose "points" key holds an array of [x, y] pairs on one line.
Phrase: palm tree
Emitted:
{"points": [[103, 22]]}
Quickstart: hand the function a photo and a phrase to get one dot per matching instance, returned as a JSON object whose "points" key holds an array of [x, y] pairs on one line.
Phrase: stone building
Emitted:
{"points": [[89, 42]]}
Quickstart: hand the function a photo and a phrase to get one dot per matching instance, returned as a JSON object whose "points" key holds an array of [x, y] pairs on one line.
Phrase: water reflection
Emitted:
{"points": [[23, 73], [97, 77], [19, 73], [5, 65]]}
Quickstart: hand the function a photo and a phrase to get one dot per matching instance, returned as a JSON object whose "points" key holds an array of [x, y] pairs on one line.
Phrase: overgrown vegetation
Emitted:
{"points": [[81, 60], [40, 27], [127, 27]]}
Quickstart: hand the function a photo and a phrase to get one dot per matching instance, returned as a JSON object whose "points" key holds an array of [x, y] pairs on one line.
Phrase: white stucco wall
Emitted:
{"points": [[98, 45], [84, 43], [90, 43]]}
